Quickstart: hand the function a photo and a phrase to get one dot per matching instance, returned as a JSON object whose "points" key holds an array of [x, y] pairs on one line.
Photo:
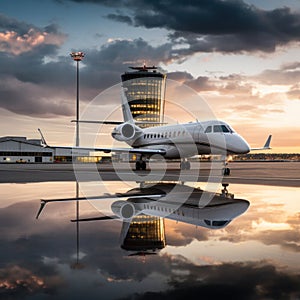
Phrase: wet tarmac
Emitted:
{"points": [[246, 247], [262, 173]]}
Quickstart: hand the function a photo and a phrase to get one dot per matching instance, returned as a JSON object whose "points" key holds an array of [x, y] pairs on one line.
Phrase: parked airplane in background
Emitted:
{"points": [[179, 141]]}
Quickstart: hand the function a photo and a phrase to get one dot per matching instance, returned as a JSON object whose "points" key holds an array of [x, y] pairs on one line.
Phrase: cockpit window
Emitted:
{"points": [[207, 222], [219, 223], [220, 128], [208, 129], [216, 223]]}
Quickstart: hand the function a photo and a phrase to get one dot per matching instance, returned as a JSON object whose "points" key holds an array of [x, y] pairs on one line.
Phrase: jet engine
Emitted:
{"points": [[126, 132], [123, 209]]}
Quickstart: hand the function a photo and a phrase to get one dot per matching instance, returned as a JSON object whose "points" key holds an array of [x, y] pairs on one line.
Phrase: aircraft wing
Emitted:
{"points": [[266, 145], [109, 150], [102, 197], [148, 151]]}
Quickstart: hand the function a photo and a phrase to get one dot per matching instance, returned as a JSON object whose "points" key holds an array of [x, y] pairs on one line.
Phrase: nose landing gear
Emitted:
{"points": [[185, 165], [225, 192], [225, 170]]}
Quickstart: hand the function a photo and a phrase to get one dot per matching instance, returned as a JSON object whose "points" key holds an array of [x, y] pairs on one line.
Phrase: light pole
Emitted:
{"points": [[77, 56]]}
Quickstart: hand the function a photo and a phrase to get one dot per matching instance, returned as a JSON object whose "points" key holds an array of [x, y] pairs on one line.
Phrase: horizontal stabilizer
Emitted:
{"points": [[102, 197], [103, 218], [118, 122], [99, 122]]}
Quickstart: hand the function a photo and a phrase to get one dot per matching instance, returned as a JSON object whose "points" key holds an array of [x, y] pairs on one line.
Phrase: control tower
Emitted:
{"points": [[145, 90], [145, 233]]}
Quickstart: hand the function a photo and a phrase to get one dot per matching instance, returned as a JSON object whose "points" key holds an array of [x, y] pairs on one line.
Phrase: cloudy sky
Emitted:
{"points": [[242, 57]]}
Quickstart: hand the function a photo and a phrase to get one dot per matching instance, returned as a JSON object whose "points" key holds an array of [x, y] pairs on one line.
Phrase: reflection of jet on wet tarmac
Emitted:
{"points": [[143, 211]]}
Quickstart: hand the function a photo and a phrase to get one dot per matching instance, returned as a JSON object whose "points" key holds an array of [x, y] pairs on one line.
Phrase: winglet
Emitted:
{"points": [[268, 142], [43, 203], [266, 145], [44, 143]]}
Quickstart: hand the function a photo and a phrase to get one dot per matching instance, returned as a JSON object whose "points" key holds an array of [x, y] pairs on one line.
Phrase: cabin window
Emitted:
{"points": [[144, 136], [178, 133], [208, 129], [174, 134], [170, 134]]}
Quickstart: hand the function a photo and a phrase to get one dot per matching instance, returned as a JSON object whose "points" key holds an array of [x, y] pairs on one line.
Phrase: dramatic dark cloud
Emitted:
{"points": [[212, 25], [235, 281], [120, 18], [36, 81]]}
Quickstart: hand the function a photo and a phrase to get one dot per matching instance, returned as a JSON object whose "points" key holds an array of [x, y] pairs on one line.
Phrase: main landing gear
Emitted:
{"points": [[140, 165], [185, 165]]}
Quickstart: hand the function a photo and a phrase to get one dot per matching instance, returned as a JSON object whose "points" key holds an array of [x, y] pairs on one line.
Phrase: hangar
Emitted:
{"points": [[20, 149]]}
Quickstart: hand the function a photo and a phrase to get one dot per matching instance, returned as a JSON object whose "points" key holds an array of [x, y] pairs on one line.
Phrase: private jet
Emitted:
{"points": [[143, 211], [176, 201], [179, 141]]}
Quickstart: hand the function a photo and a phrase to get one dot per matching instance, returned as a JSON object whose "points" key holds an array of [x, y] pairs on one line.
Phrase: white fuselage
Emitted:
{"points": [[186, 140], [184, 205]]}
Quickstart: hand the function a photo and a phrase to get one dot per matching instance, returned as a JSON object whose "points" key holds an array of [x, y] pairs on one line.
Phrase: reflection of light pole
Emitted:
{"points": [[77, 56]]}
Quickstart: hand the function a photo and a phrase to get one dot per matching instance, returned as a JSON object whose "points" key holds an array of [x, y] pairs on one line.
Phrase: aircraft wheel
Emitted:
{"points": [[137, 165], [187, 165], [226, 171], [143, 165]]}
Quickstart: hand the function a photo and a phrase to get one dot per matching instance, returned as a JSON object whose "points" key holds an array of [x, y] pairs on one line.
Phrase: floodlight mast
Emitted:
{"points": [[77, 56]]}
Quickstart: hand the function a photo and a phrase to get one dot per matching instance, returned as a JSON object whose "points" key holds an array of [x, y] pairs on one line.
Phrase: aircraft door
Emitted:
{"points": [[196, 132]]}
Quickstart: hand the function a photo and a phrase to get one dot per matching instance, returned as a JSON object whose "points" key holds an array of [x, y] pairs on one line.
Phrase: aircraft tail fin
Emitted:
{"points": [[125, 108]]}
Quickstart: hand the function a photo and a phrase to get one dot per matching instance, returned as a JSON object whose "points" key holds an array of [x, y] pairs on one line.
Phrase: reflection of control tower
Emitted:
{"points": [[144, 233], [145, 90]]}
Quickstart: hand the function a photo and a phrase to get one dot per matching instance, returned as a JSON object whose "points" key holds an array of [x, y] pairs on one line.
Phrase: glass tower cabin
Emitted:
{"points": [[145, 91]]}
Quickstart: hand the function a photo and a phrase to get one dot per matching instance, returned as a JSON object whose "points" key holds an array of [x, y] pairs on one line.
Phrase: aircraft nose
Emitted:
{"points": [[243, 146], [240, 206], [236, 144]]}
